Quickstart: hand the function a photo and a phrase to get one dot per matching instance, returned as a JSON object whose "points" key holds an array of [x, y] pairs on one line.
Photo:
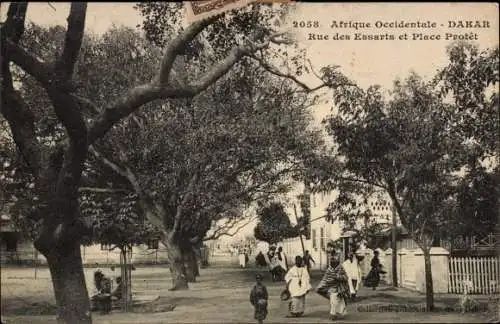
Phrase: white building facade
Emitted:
{"points": [[321, 233]]}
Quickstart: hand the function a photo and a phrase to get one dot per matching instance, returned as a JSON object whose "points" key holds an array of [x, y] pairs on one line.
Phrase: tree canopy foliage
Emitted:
{"points": [[274, 223]]}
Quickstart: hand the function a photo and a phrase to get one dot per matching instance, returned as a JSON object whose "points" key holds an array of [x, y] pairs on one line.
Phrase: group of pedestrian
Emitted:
{"points": [[243, 257], [339, 284], [276, 260]]}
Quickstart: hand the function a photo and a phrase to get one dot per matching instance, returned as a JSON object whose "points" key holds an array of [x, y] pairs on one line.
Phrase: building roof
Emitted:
{"points": [[401, 230]]}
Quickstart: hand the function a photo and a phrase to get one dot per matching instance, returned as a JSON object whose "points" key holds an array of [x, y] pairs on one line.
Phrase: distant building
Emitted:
{"points": [[323, 231], [16, 250]]}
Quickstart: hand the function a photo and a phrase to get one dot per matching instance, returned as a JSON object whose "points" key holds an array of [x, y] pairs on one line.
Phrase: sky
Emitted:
{"points": [[365, 61]]}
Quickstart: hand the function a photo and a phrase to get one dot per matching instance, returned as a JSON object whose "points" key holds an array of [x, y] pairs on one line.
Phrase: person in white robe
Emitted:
{"points": [[242, 258], [353, 270], [298, 284]]}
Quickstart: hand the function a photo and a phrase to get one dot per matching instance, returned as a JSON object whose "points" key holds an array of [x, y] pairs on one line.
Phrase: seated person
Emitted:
{"points": [[118, 292], [101, 300]]}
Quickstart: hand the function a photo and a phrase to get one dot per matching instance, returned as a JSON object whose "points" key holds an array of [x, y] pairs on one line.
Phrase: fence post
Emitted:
{"points": [[388, 266], [401, 275], [440, 263], [419, 270]]}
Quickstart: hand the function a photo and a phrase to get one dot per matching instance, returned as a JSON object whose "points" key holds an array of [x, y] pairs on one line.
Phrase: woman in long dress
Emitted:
{"points": [[298, 284], [334, 286], [373, 278]]}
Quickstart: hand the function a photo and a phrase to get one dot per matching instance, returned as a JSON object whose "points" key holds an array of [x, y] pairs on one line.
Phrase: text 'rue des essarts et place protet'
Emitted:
{"points": [[451, 30]]}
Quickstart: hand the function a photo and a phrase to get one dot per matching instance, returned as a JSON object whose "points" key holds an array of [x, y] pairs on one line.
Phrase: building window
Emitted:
{"points": [[322, 238], [314, 239]]}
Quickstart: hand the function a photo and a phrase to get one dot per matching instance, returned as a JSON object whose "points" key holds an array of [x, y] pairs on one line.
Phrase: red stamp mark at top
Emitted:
{"points": [[201, 7], [197, 10]]}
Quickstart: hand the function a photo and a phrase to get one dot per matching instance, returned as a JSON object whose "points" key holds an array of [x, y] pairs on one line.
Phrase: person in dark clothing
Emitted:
{"points": [[102, 299], [373, 278], [307, 261], [260, 260], [117, 294], [258, 299]]}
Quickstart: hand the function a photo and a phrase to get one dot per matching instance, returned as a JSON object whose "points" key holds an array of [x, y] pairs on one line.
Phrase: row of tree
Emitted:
{"points": [[431, 147], [119, 138]]}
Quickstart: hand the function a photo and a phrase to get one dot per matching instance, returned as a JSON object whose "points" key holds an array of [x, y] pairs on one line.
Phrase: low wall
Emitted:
{"points": [[410, 268]]}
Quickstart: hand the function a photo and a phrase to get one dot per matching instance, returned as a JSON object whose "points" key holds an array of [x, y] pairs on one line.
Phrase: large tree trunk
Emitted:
{"points": [[176, 264], [429, 288], [68, 279], [59, 241], [190, 266], [191, 263]]}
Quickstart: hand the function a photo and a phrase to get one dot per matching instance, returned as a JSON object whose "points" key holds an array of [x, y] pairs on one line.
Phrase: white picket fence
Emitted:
{"points": [[480, 275]]}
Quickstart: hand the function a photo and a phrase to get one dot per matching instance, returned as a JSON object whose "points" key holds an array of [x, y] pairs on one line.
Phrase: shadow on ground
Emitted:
{"points": [[220, 295]]}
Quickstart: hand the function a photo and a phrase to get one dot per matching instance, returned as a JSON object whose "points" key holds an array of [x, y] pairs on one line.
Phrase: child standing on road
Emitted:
{"points": [[258, 299]]}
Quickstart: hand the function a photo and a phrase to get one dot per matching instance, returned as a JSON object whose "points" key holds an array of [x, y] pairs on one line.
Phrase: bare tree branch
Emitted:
{"points": [[178, 45], [143, 94], [224, 229], [311, 67], [30, 64], [100, 190], [72, 41], [21, 122], [12, 31], [12, 106], [234, 56], [14, 24], [122, 107], [273, 70]]}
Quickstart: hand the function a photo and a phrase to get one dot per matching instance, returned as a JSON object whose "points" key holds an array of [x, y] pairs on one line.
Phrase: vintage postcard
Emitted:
{"points": [[249, 161]]}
